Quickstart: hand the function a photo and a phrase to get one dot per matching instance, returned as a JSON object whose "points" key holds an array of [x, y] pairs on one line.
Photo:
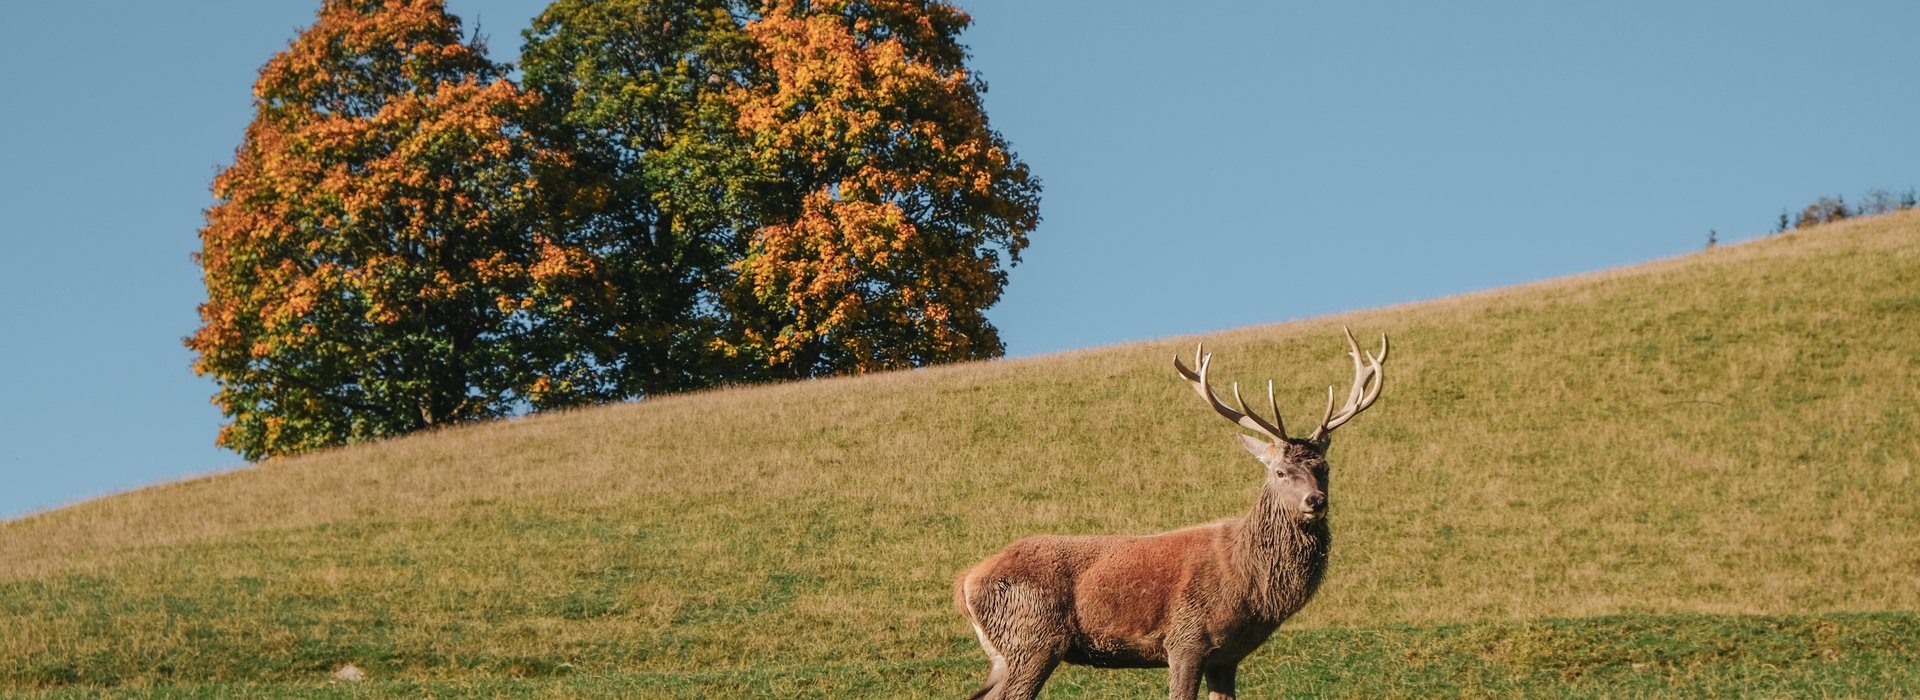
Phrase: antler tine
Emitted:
{"points": [[1353, 351], [1244, 418], [1198, 361], [1379, 378], [1279, 426], [1368, 378], [1322, 431], [1276, 429]]}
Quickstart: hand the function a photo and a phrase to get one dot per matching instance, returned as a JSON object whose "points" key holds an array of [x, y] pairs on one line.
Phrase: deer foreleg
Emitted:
{"points": [[1183, 679]]}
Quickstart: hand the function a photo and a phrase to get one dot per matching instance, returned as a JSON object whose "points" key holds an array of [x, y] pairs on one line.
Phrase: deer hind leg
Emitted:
{"points": [[1022, 632], [1220, 682], [997, 668], [1025, 676]]}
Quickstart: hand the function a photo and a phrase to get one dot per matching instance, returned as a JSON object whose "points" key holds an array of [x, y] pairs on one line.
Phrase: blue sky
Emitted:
{"points": [[1207, 165]]}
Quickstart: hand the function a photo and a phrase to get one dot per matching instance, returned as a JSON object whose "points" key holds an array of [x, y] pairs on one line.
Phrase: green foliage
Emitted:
{"points": [[662, 181]]}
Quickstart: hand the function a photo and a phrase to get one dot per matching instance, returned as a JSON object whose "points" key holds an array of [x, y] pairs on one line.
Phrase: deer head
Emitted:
{"points": [[1296, 467]]}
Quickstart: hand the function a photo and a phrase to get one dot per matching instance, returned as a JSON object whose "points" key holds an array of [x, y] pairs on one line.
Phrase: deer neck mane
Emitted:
{"points": [[1282, 558]]}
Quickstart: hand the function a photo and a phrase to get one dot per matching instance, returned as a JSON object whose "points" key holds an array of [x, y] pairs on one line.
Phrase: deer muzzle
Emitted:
{"points": [[1313, 507]]}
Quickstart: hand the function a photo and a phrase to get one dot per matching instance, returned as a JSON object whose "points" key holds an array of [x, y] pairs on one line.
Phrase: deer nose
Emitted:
{"points": [[1314, 502]]}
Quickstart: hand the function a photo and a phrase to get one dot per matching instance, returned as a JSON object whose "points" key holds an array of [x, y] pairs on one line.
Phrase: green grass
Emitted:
{"points": [[1691, 477], [1607, 657]]}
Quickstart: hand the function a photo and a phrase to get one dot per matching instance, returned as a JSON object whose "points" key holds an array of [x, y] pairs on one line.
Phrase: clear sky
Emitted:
{"points": [[1208, 165]]}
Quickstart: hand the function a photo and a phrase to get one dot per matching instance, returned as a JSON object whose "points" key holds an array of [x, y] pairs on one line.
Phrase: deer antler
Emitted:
{"points": [[1367, 379], [1244, 417]]}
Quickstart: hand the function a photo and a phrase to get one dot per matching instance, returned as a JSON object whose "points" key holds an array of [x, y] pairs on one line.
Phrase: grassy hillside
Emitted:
{"points": [[1687, 476]]}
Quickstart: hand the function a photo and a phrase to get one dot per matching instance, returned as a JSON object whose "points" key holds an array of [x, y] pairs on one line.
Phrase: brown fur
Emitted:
{"points": [[1196, 600]]}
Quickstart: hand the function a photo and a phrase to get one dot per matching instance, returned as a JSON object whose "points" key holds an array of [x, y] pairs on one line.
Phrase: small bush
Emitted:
{"points": [[1824, 210]]}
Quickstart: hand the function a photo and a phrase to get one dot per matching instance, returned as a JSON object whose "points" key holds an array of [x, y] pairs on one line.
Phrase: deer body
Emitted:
{"points": [[1195, 600]]}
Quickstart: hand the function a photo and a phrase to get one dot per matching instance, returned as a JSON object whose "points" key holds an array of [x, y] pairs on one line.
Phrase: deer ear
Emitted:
{"points": [[1261, 449]]}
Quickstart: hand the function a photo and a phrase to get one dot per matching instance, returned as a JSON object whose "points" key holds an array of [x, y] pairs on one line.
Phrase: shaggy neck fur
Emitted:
{"points": [[1282, 558]]}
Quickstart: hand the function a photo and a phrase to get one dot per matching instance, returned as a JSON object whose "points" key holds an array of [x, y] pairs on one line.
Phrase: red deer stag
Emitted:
{"points": [[1195, 600]]}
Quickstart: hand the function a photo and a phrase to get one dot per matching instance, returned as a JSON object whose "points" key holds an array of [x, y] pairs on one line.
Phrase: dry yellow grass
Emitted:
{"points": [[1728, 432]]}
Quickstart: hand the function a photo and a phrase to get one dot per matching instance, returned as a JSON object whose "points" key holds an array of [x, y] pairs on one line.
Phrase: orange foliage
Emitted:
{"points": [[907, 198], [370, 262]]}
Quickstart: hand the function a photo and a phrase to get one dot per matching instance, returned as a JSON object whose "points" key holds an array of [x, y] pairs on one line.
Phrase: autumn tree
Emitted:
{"points": [[899, 208], [374, 260], [781, 190]]}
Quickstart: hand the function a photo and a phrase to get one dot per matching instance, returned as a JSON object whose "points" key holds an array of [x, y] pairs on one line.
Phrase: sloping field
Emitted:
{"points": [[1695, 476]]}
